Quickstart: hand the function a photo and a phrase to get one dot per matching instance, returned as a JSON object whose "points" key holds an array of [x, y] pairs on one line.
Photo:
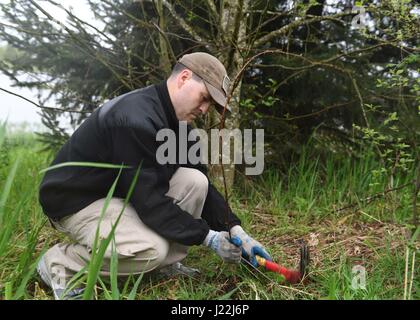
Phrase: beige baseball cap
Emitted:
{"points": [[214, 74]]}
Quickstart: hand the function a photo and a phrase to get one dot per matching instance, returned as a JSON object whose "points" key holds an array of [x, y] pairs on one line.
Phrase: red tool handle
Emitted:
{"points": [[291, 276]]}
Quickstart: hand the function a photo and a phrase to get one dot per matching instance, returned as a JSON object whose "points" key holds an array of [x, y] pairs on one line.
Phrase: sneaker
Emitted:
{"points": [[177, 269], [56, 283]]}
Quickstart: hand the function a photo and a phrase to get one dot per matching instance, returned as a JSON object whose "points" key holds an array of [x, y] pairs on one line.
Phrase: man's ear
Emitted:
{"points": [[183, 76]]}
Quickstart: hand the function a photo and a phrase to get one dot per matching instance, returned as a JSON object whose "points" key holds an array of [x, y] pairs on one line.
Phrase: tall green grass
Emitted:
{"points": [[88, 277], [317, 188], [299, 201], [21, 222], [16, 201]]}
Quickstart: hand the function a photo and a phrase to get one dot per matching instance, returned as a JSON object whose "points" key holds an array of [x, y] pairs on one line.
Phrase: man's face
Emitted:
{"points": [[192, 98]]}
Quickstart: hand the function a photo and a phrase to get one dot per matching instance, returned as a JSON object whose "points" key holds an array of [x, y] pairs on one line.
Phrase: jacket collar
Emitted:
{"points": [[168, 107]]}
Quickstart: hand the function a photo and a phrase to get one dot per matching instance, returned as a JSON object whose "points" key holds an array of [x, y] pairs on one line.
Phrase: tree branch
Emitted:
{"points": [[373, 197], [283, 30], [77, 40], [213, 9], [43, 107], [182, 22]]}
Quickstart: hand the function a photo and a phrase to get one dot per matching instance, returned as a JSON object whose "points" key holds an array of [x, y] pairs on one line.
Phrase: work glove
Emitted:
{"points": [[228, 250], [250, 247]]}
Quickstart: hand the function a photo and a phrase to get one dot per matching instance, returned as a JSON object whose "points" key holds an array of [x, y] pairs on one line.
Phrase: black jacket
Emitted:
{"points": [[123, 131]]}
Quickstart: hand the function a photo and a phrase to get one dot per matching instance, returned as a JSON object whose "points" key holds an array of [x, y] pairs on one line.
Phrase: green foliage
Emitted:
{"points": [[17, 211], [278, 209], [308, 87], [395, 135], [352, 94], [4, 154]]}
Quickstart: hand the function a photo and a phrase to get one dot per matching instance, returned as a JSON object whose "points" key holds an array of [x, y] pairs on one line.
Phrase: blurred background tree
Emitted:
{"points": [[325, 71]]}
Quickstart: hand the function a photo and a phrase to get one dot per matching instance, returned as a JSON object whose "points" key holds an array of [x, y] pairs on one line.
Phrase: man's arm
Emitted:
{"points": [[135, 146], [216, 211], [220, 217]]}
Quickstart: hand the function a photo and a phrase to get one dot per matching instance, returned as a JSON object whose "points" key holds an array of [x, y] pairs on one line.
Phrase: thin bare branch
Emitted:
{"points": [[213, 9], [83, 45], [43, 107], [182, 22], [283, 30]]}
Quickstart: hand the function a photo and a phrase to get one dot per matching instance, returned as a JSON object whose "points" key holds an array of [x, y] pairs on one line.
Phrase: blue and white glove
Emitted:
{"points": [[229, 251], [250, 246]]}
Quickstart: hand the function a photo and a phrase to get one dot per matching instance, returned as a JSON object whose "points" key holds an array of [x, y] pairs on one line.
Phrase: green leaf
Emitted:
{"points": [[133, 291], [8, 186], [86, 164], [22, 286], [8, 291], [97, 255], [2, 132], [227, 296], [95, 263], [107, 294], [114, 272]]}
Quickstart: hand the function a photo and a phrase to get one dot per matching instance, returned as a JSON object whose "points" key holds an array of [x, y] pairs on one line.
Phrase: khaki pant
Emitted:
{"points": [[139, 249]]}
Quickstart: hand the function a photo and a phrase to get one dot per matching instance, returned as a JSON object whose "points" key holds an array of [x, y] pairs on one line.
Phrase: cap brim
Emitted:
{"points": [[218, 97]]}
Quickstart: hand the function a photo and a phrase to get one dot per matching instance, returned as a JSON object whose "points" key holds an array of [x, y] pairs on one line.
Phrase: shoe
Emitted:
{"points": [[57, 284], [177, 269]]}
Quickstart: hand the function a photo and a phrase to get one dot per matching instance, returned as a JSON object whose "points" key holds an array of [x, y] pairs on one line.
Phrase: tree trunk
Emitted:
{"points": [[165, 61], [233, 27]]}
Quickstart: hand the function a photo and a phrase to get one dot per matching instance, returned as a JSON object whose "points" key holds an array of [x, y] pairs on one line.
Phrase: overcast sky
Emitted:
{"points": [[15, 109]]}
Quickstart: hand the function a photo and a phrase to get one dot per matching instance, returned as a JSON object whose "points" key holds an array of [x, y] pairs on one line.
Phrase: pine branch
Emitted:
{"points": [[77, 40]]}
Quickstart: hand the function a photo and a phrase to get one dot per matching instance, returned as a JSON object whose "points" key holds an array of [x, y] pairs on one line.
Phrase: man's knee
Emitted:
{"points": [[135, 262], [194, 181], [158, 254]]}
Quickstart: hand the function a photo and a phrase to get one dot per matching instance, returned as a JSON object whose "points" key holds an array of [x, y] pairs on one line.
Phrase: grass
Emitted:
{"points": [[277, 209]]}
